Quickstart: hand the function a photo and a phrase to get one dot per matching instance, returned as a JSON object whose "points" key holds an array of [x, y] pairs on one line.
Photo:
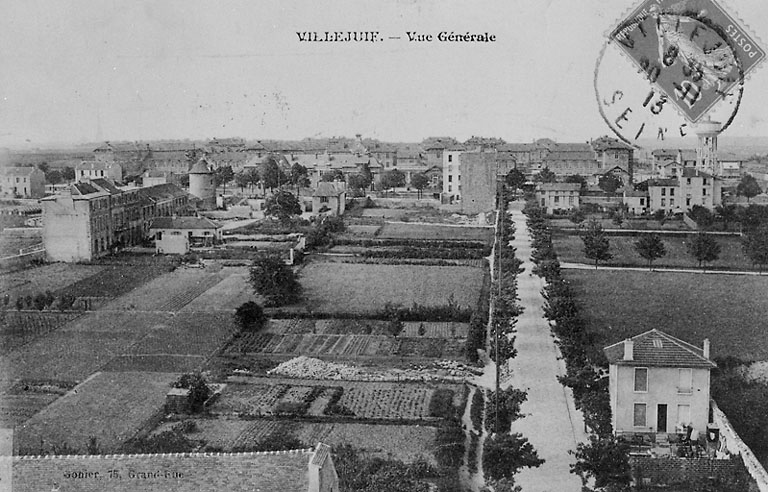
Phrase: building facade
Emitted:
{"points": [[88, 170], [691, 187], [558, 196], [329, 198], [22, 182], [177, 235], [658, 383]]}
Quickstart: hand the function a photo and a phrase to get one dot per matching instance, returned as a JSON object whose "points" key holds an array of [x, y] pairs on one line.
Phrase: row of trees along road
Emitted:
{"points": [[701, 246]]}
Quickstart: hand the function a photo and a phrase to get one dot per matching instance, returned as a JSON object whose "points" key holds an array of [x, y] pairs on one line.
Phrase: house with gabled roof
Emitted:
{"points": [[329, 198], [658, 382], [176, 235], [23, 182]]}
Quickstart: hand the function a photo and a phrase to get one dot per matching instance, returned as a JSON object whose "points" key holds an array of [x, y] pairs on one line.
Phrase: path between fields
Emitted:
{"points": [[551, 422], [585, 266]]}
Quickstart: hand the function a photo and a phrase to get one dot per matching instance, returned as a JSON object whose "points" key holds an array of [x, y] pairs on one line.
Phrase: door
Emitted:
{"points": [[661, 417]]}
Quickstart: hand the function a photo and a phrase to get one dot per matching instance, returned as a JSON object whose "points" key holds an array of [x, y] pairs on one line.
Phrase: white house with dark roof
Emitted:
{"points": [[558, 196], [658, 382], [22, 182], [176, 235], [330, 198], [87, 170]]}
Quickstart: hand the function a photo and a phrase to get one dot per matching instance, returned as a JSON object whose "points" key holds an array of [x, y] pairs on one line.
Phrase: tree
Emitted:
{"points": [[299, 176], [282, 205], [53, 176], [702, 216], [728, 213], [606, 460], [44, 166], [357, 472], [358, 183], [703, 247], [336, 175], [577, 216], [392, 179], [505, 454], [199, 391], [275, 281], [650, 247], [579, 179], [546, 176], [755, 244], [68, 173], [748, 187], [596, 244], [270, 173], [609, 183], [419, 181], [222, 176], [515, 179], [249, 316], [242, 180]]}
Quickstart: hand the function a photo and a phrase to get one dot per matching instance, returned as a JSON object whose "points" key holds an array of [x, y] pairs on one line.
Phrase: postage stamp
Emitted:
{"points": [[691, 55]]}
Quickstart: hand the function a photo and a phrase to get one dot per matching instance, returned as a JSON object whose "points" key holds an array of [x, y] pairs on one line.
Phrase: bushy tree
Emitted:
{"points": [[270, 173], [199, 391], [578, 179], [609, 183], [275, 281], [249, 316], [515, 179], [392, 179], [363, 474], [703, 247], [222, 176], [282, 205], [748, 187], [358, 183], [506, 454], [336, 175], [606, 460], [546, 176], [596, 244], [299, 176], [650, 247], [702, 216], [755, 244], [419, 181]]}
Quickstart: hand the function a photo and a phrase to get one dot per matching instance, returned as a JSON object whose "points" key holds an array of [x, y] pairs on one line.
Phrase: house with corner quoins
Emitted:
{"points": [[303, 470], [656, 382]]}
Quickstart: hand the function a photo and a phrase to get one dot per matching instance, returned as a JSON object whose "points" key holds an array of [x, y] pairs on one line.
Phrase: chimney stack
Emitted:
{"points": [[706, 348], [629, 349]]}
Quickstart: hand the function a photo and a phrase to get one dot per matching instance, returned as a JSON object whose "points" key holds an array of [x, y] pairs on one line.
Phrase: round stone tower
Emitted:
{"points": [[201, 183]]}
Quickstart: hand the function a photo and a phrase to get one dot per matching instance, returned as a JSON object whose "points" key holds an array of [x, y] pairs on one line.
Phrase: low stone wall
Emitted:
{"points": [[673, 470], [735, 445]]}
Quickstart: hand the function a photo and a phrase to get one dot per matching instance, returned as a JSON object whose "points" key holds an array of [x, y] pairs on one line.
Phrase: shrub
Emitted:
{"points": [[199, 391], [275, 281], [249, 316], [505, 454]]}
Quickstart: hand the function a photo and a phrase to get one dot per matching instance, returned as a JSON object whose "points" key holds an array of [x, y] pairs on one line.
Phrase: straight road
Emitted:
{"points": [[552, 424]]}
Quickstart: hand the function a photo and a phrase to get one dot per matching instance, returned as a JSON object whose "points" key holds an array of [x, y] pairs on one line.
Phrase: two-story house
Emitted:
{"points": [[658, 382], [558, 196]]}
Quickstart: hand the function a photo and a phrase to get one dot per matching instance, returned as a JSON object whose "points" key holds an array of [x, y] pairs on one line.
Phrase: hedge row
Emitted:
{"points": [[419, 243]]}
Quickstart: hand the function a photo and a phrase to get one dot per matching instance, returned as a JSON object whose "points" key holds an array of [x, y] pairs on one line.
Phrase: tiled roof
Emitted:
{"points": [[17, 171], [283, 471], [663, 182], [325, 188], [106, 185], [560, 186], [658, 349], [183, 223], [83, 188], [606, 143], [201, 167], [692, 172], [162, 191]]}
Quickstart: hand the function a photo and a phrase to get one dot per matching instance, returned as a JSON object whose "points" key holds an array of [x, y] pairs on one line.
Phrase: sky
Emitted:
{"points": [[85, 71]]}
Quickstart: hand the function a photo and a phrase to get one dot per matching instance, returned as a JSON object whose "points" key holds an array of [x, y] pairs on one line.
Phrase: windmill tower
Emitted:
{"points": [[706, 150]]}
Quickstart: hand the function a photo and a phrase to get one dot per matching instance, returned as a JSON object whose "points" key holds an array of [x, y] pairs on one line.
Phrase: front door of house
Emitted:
{"points": [[661, 417]]}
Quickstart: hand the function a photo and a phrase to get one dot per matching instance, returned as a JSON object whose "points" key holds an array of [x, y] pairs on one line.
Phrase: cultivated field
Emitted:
{"points": [[109, 406], [347, 346], [20, 327], [571, 249], [361, 288], [729, 310], [51, 277], [430, 232]]}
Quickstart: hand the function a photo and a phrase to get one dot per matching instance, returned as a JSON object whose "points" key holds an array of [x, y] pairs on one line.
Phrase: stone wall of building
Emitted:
{"points": [[478, 182]]}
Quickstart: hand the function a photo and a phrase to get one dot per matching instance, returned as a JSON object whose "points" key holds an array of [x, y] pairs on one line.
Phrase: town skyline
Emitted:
{"points": [[145, 71]]}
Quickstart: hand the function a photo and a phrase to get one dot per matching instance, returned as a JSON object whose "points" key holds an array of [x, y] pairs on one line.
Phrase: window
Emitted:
{"points": [[687, 201], [685, 381], [642, 202], [688, 181], [450, 178], [705, 181], [557, 199], [323, 199], [671, 202], [639, 415], [450, 158], [449, 188], [159, 235], [641, 379], [570, 200], [671, 192], [683, 414], [663, 202], [663, 192], [704, 191]]}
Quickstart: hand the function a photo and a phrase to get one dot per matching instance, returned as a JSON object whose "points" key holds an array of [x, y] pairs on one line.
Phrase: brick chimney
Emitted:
{"points": [[629, 349], [706, 348]]}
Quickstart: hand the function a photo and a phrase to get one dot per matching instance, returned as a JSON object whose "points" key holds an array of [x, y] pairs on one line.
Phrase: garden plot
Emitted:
{"points": [[187, 333], [228, 294], [20, 327], [109, 406], [387, 400], [364, 288], [430, 231], [435, 329], [170, 291], [250, 399], [53, 277], [16, 409]]}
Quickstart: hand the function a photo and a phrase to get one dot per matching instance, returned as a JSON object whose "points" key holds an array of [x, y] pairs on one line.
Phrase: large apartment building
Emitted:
{"points": [[95, 217]]}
